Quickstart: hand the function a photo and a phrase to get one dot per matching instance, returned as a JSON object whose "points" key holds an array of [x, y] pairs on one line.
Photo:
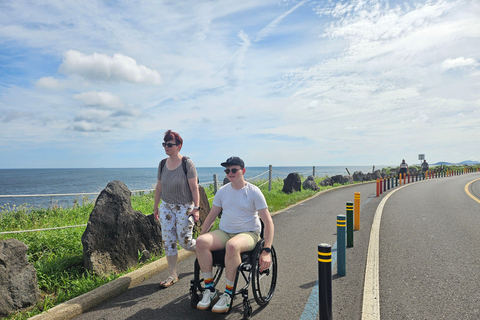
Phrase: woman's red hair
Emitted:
{"points": [[170, 135]]}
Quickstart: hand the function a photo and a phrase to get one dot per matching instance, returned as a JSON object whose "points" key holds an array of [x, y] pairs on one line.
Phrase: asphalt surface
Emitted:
{"points": [[430, 252], [298, 231], [429, 260]]}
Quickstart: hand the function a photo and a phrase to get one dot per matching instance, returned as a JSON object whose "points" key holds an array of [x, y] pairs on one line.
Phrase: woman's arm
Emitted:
{"points": [[158, 193], [193, 184]]}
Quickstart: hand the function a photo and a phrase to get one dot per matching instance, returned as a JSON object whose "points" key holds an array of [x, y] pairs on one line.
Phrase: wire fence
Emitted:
{"points": [[215, 184]]}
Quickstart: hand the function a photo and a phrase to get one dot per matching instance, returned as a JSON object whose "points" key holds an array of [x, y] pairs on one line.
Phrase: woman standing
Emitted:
{"points": [[177, 187]]}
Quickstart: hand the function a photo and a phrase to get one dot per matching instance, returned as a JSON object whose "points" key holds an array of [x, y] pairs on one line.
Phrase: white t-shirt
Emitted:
{"points": [[240, 208]]}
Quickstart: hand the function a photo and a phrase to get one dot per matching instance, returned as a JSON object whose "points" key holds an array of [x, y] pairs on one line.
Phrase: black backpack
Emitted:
{"points": [[184, 165]]}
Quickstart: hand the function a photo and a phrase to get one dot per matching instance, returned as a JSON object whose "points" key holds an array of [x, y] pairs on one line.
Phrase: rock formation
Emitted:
{"points": [[18, 277], [292, 183], [116, 236]]}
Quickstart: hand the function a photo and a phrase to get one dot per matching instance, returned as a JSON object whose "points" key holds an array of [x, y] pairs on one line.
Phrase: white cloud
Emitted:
{"points": [[266, 31], [460, 62], [102, 67], [49, 83], [102, 100], [102, 112], [296, 79]]}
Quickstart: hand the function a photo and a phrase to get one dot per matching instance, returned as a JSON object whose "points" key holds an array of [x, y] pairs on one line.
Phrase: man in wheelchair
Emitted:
{"points": [[241, 204]]}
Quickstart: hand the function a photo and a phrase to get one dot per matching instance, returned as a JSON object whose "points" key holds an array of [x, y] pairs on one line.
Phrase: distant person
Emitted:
{"points": [[177, 187], [424, 167], [403, 167], [241, 204]]}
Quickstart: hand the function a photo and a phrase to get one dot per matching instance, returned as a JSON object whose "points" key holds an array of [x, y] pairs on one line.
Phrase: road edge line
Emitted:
{"points": [[371, 287]]}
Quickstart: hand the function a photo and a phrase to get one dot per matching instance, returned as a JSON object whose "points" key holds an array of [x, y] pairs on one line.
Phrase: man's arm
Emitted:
{"points": [[212, 215], [268, 231]]}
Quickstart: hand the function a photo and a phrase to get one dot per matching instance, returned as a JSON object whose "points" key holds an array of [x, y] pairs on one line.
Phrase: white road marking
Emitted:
{"points": [[371, 287]]}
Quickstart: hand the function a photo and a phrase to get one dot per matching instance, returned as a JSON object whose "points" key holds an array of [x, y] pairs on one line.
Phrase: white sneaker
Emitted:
{"points": [[207, 299], [223, 304]]}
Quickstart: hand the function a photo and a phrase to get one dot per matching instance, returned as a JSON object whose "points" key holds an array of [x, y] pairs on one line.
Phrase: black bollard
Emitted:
{"points": [[325, 281]]}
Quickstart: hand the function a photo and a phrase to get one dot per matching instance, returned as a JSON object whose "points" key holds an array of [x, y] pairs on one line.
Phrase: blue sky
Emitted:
{"points": [[288, 83]]}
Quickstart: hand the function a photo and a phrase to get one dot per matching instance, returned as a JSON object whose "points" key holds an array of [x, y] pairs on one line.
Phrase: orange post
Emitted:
{"points": [[378, 188], [356, 211]]}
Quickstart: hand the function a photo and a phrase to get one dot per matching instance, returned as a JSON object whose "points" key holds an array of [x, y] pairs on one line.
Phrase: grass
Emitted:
{"points": [[57, 255]]}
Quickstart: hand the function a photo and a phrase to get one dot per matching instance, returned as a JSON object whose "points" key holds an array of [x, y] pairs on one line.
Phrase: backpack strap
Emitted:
{"points": [[162, 164], [184, 164]]}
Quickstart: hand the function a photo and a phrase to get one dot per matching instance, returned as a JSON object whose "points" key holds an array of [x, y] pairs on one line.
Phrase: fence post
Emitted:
{"points": [[356, 209], [349, 224], [270, 178], [314, 172], [341, 245], [325, 281], [215, 183]]}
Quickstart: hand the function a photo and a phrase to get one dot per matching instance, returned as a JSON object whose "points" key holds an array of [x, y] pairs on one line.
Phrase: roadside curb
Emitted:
{"points": [[88, 300], [76, 306]]}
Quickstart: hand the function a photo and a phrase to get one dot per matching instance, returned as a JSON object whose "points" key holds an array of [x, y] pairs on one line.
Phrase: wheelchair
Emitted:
{"points": [[263, 283]]}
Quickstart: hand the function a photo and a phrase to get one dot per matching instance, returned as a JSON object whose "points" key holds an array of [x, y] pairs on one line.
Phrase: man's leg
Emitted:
{"points": [[207, 243], [233, 249]]}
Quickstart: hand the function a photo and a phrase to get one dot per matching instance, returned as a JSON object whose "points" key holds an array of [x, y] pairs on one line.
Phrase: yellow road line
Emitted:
{"points": [[468, 191]]}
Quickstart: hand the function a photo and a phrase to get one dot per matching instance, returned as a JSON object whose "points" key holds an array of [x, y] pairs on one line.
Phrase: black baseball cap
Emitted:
{"points": [[233, 161]]}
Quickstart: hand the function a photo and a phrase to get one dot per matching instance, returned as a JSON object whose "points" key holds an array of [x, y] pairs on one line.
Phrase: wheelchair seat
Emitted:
{"points": [[219, 257], [263, 284]]}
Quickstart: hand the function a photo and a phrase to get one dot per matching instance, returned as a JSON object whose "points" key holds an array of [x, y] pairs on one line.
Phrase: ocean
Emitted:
{"points": [[47, 187]]}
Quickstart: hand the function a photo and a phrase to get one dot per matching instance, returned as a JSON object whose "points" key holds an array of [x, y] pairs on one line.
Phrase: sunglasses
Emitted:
{"points": [[169, 145], [234, 170]]}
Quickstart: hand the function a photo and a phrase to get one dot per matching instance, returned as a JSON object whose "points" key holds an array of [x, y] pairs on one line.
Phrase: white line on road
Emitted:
{"points": [[371, 288]]}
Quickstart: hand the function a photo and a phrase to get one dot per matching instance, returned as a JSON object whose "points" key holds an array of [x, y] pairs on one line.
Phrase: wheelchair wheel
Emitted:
{"points": [[247, 310], [264, 282]]}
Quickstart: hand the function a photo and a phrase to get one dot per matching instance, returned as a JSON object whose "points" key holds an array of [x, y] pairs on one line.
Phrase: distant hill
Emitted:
{"points": [[467, 162]]}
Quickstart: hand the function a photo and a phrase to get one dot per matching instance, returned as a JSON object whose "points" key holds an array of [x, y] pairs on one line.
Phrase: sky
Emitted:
{"points": [[88, 84]]}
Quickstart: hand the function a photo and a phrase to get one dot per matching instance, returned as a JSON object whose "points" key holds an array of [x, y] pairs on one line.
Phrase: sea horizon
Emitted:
{"points": [[46, 187]]}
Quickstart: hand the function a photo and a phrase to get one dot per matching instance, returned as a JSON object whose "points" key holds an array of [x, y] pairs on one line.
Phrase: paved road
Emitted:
{"points": [[430, 251], [298, 231], [429, 256]]}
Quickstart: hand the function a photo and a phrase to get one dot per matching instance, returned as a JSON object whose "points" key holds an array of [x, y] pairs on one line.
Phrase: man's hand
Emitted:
{"points": [[265, 261]]}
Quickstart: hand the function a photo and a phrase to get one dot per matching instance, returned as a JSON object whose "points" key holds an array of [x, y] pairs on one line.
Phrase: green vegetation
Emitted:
{"points": [[57, 255]]}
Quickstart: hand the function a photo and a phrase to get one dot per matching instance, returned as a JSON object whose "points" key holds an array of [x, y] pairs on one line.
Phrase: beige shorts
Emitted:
{"points": [[252, 237]]}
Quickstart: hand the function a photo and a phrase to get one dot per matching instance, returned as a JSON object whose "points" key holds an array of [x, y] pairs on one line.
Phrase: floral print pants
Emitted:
{"points": [[177, 224]]}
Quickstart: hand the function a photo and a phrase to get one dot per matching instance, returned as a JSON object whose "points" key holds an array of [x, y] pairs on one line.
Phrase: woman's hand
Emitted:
{"points": [[155, 214], [196, 214]]}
